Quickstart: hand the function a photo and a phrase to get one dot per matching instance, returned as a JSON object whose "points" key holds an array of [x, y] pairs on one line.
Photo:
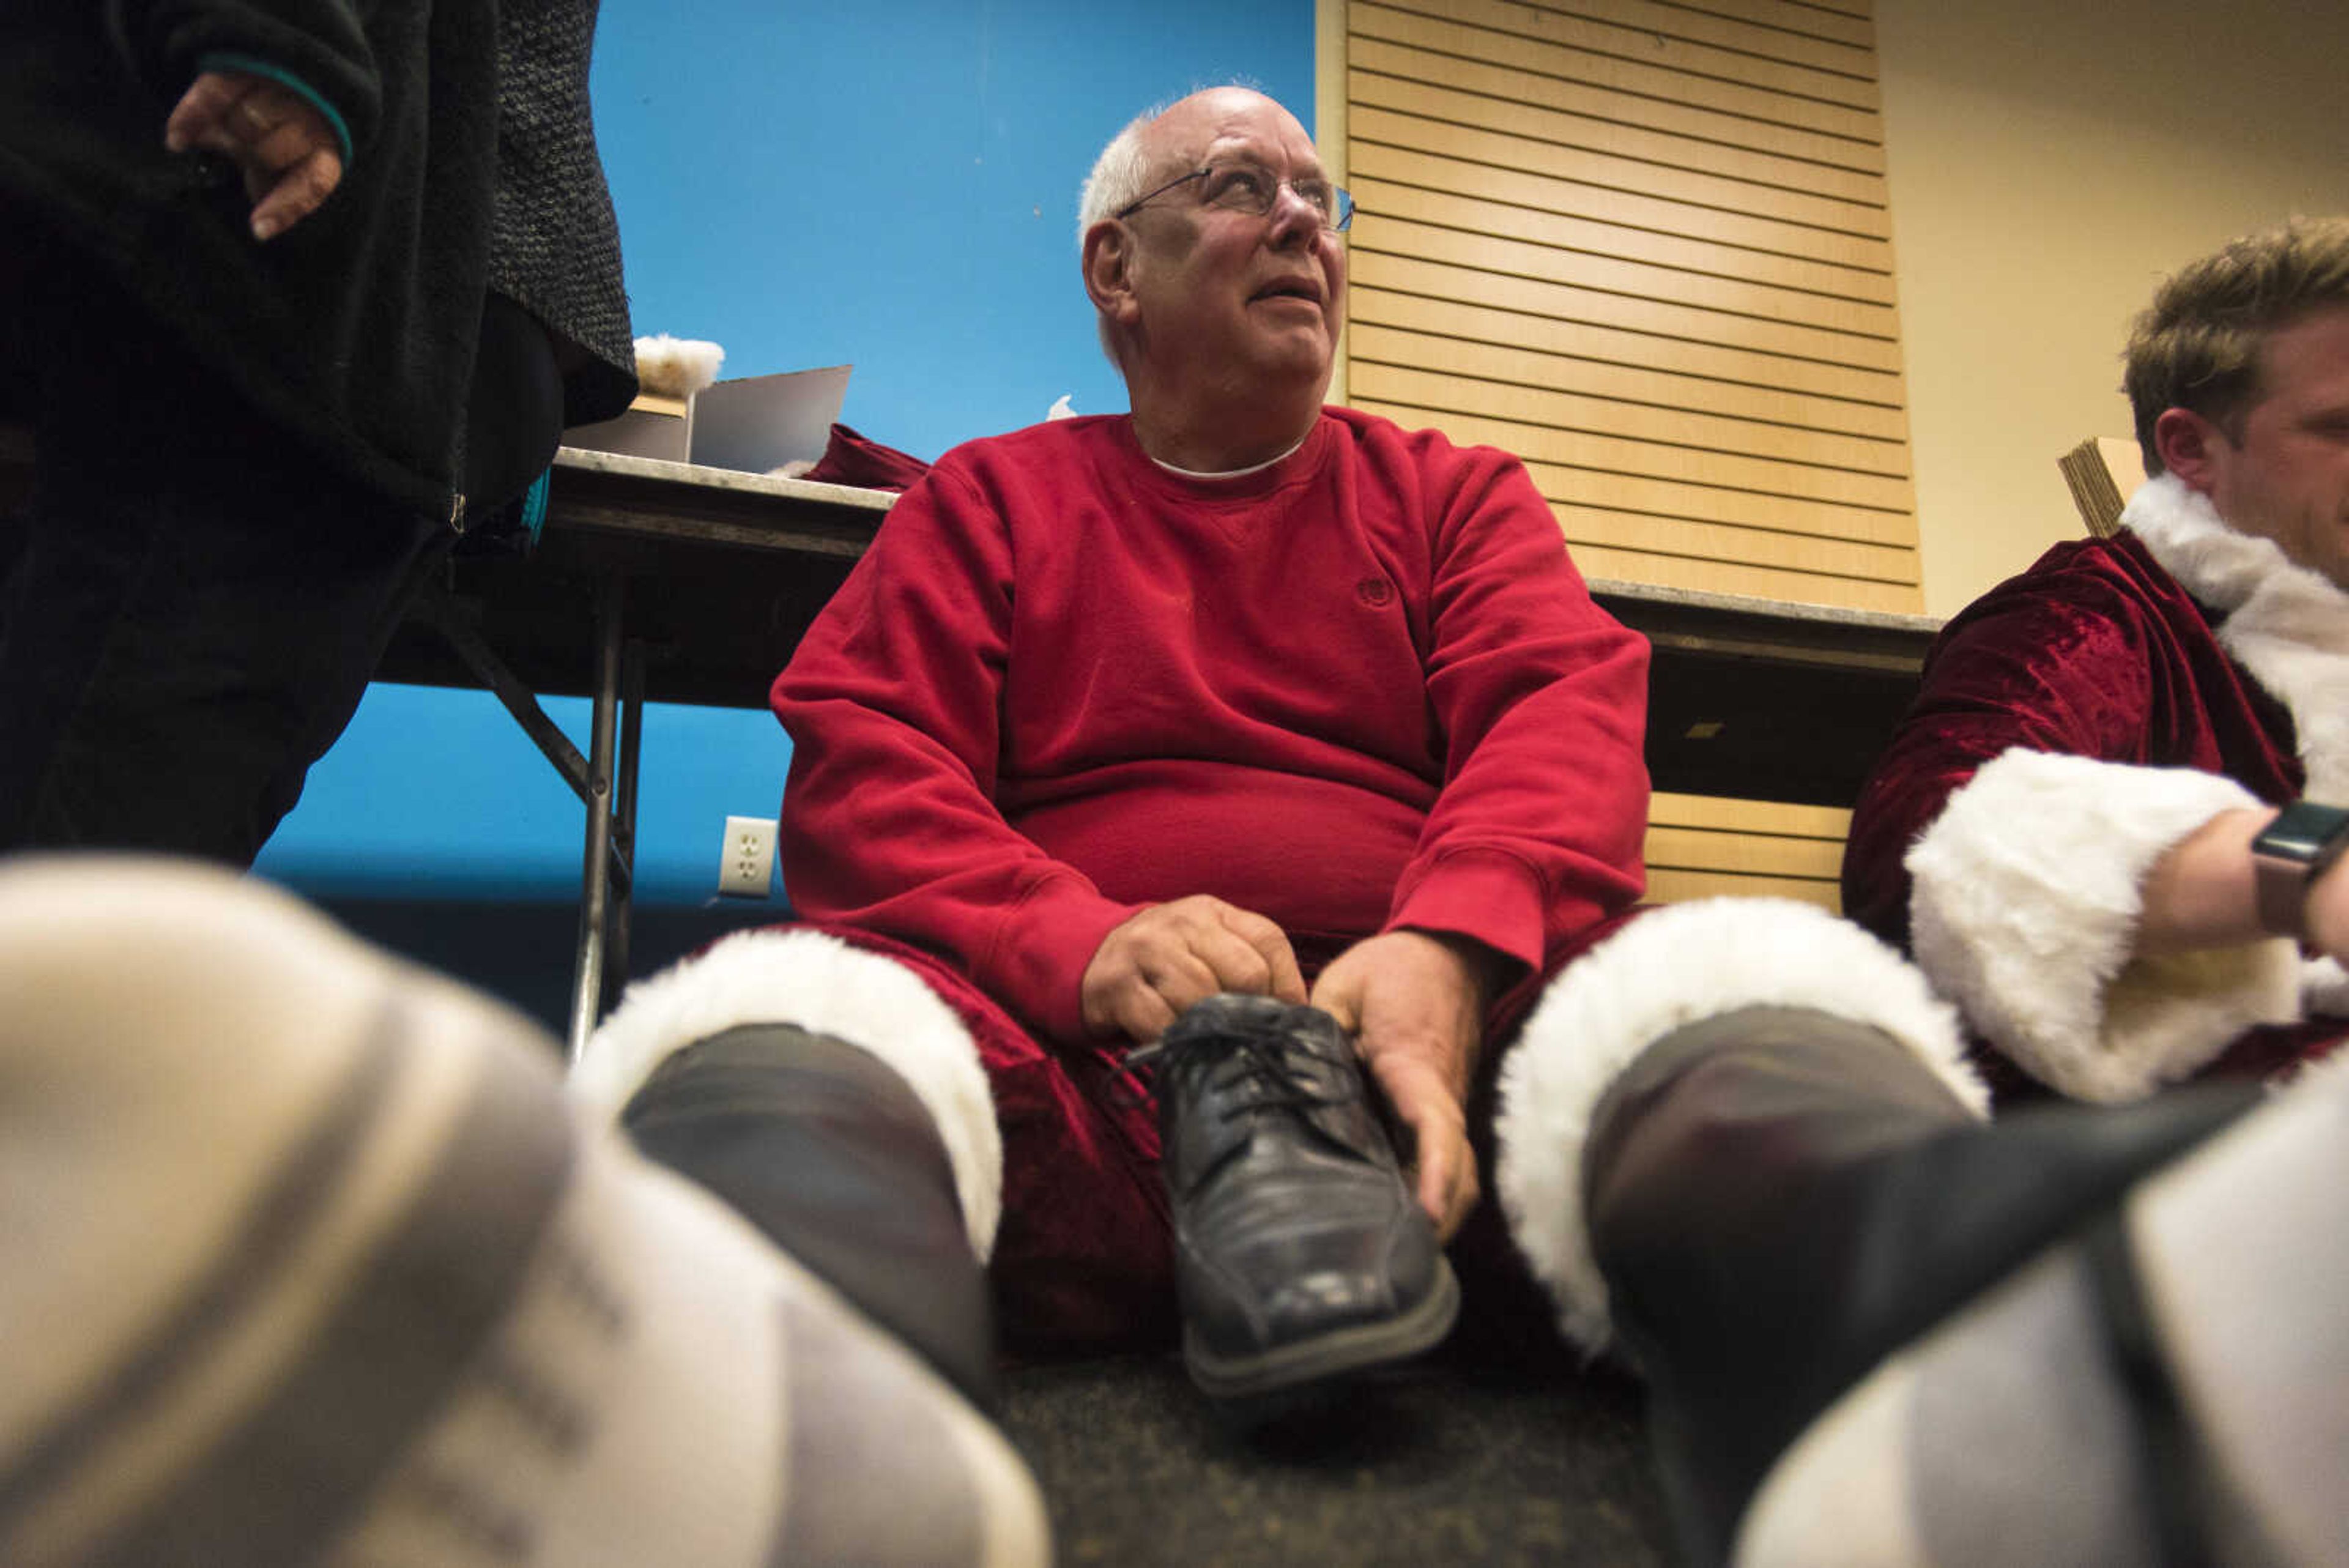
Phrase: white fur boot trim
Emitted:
{"points": [[2025, 908], [1672, 967], [827, 987]]}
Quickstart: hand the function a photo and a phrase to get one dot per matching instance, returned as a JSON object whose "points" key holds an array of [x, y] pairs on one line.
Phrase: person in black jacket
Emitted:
{"points": [[295, 289]]}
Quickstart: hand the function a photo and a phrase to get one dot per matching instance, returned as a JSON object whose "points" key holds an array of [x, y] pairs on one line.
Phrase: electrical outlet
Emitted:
{"points": [[746, 863]]}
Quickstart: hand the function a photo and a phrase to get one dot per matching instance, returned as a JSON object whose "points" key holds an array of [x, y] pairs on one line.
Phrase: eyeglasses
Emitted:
{"points": [[1253, 189]]}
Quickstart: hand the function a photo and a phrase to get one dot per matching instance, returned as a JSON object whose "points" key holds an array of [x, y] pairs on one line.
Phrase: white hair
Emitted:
{"points": [[1115, 184]]}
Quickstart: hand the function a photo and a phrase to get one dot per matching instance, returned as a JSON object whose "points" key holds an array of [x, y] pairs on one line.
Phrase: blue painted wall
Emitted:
{"points": [[892, 186]]}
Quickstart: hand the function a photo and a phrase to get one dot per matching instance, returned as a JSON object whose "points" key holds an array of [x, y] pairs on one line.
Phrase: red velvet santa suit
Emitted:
{"points": [[2075, 722], [1362, 688]]}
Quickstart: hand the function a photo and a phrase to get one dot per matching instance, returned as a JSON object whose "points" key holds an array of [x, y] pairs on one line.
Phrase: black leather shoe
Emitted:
{"points": [[1300, 1252]]}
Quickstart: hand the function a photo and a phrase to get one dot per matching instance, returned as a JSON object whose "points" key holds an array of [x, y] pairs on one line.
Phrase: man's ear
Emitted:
{"points": [[1109, 269], [2188, 445]]}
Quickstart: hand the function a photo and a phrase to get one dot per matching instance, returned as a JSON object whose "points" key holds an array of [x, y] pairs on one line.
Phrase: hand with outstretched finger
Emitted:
{"points": [[285, 148]]}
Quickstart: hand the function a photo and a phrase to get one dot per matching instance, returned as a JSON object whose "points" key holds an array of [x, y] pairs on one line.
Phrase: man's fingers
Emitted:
{"points": [[1152, 980], [1448, 1187], [1243, 950], [1443, 1174], [200, 112], [280, 144], [1424, 1103], [299, 192], [256, 116], [1181, 978], [1280, 977], [1333, 996], [1182, 953], [240, 116], [290, 142], [1129, 1005], [289, 159], [1435, 1183], [1144, 1015]]}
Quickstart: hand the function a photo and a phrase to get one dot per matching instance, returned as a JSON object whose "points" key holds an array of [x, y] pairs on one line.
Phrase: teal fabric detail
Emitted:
{"points": [[533, 505], [248, 66]]}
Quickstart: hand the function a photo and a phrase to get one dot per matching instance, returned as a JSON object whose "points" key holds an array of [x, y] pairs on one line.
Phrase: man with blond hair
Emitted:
{"points": [[2106, 827]]}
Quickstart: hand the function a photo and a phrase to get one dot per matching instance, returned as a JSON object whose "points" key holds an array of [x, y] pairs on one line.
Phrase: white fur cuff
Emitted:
{"points": [[1667, 969], [826, 987], [2024, 908]]}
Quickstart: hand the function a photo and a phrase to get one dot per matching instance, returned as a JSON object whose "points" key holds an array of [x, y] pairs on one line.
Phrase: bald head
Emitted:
{"points": [[1122, 172], [1182, 132]]}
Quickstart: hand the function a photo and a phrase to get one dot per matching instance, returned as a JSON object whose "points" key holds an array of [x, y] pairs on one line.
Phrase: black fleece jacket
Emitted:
{"points": [[355, 330]]}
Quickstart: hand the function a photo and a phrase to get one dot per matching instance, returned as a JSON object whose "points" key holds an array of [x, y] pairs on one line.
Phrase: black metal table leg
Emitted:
{"points": [[587, 993]]}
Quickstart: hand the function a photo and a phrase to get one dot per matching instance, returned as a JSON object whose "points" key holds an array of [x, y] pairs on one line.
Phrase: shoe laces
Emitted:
{"points": [[1262, 1068]]}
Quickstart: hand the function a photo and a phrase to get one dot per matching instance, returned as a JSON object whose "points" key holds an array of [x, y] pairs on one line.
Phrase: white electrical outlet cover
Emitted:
{"points": [[746, 859]]}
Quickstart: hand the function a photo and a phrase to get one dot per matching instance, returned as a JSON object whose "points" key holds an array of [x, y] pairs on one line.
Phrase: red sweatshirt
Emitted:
{"points": [[1361, 689]]}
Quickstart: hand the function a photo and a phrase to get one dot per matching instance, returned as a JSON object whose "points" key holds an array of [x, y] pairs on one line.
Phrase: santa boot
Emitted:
{"points": [[835, 1103], [306, 1256], [1775, 1176]]}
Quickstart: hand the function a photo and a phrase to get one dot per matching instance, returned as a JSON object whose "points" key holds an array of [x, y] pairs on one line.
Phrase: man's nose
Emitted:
{"points": [[1295, 220]]}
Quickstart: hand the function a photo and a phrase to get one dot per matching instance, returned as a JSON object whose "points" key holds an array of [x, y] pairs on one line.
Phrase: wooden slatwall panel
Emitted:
{"points": [[1644, 246], [1700, 846]]}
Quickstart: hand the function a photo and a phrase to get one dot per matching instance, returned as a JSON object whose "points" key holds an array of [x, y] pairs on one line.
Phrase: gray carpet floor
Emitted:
{"points": [[1442, 1463]]}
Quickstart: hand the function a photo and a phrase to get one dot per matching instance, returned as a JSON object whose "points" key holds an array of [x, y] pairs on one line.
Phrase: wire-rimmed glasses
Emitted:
{"points": [[1253, 189]]}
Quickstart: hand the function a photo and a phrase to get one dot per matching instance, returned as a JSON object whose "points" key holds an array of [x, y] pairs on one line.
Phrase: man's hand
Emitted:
{"points": [[288, 152], [1415, 1005], [1155, 965]]}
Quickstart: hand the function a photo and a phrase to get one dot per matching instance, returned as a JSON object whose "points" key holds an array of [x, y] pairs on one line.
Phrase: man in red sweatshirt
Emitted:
{"points": [[1234, 693]]}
